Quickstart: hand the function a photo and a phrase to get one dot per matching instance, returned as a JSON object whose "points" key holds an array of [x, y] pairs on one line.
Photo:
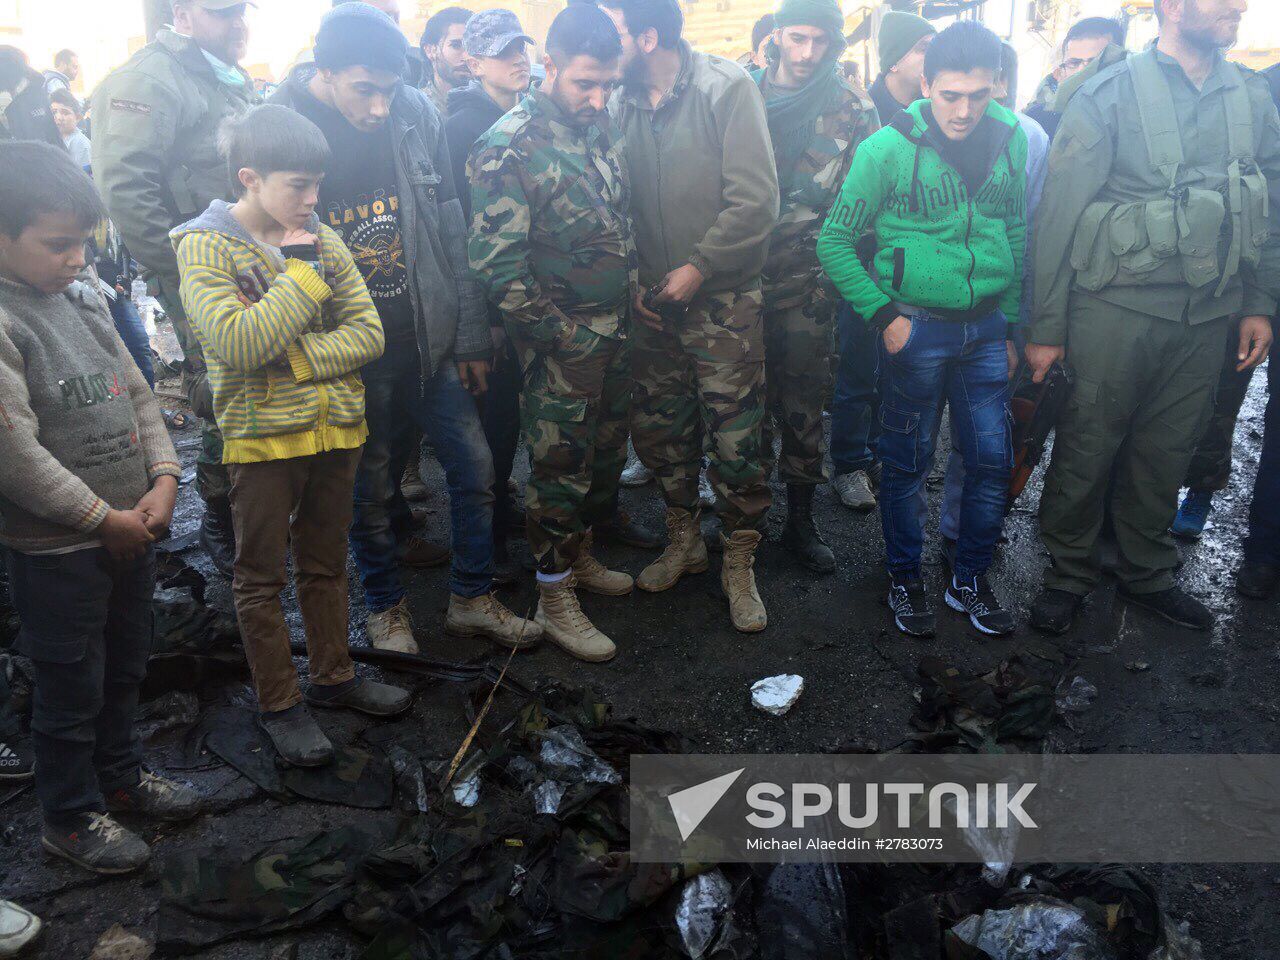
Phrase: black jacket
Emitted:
{"points": [[1046, 116], [887, 106], [28, 116], [448, 302], [1273, 77], [471, 113]]}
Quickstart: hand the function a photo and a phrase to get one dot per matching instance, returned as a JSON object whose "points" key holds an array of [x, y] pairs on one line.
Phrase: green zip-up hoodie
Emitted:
{"points": [[940, 245]]}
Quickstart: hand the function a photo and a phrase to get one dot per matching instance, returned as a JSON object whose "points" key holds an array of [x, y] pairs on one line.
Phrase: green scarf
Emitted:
{"points": [[793, 116]]}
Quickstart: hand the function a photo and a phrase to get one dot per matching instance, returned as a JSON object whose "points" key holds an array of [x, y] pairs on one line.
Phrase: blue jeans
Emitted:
{"points": [[953, 482], [134, 334], [1263, 544], [87, 626], [965, 364], [500, 414], [396, 400], [854, 414]]}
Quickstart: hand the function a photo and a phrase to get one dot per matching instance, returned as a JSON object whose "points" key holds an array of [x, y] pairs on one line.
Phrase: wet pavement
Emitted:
{"points": [[682, 667]]}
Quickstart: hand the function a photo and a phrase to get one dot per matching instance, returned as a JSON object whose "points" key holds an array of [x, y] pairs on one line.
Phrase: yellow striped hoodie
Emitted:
{"points": [[284, 370]]}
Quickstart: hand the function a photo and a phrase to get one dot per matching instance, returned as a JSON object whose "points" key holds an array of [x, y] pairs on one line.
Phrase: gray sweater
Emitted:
{"points": [[81, 433]]}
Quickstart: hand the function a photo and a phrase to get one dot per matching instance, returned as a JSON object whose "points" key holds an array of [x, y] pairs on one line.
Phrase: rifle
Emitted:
{"points": [[1035, 408]]}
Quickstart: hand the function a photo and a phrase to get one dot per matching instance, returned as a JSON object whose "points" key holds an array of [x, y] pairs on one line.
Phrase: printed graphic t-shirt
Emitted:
{"points": [[359, 199]]}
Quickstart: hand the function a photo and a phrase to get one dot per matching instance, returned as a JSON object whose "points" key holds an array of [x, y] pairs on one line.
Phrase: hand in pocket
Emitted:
{"points": [[896, 335]]}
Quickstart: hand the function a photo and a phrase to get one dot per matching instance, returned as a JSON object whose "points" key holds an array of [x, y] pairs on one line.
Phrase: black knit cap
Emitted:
{"points": [[360, 35]]}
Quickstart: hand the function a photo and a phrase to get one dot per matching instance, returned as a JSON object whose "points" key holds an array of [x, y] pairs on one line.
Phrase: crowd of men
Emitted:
{"points": [[642, 244]]}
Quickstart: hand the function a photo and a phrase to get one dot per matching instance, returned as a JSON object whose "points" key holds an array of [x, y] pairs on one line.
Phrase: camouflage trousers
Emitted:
{"points": [[703, 379], [574, 409], [799, 342], [212, 479]]}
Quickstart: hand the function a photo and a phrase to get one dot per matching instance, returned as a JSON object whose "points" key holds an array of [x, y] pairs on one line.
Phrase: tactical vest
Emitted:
{"points": [[1175, 237]]}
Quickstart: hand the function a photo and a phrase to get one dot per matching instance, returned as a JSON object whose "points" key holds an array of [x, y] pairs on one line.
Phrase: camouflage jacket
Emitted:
{"points": [[792, 273], [438, 95], [551, 233]]}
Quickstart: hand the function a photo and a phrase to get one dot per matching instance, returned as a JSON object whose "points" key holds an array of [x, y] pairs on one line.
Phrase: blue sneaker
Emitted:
{"points": [[1193, 514]]}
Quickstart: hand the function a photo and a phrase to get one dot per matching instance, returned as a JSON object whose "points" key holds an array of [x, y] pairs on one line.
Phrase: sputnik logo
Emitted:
{"points": [[691, 805]]}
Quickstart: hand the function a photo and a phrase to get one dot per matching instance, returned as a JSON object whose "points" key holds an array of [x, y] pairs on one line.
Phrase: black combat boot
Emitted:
{"points": [[1054, 611], [621, 527], [1257, 580], [801, 536], [218, 536], [1175, 605]]}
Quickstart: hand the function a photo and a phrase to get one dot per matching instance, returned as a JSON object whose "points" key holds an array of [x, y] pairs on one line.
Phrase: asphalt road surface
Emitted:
{"points": [[682, 667]]}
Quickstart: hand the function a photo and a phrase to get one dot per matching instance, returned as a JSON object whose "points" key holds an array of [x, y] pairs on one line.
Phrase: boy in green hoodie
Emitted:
{"points": [[942, 191]]}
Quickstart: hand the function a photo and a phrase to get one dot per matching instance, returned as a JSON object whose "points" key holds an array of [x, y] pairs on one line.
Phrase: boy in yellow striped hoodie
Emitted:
{"points": [[286, 322]]}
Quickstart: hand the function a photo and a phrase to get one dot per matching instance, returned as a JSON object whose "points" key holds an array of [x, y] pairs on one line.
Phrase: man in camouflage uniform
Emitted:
{"points": [[1153, 233], [551, 239], [443, 56], [156, 162], [816, 121], [705, 198]]}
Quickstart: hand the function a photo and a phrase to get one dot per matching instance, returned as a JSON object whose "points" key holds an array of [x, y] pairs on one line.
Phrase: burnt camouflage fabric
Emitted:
{"points": [[551, 239], [493, 880], [799, 321], [701, 379]]}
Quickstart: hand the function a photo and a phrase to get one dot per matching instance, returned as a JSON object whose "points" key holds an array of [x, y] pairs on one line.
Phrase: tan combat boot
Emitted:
{"points": [[564, 623], [392, 629], [738, 580], [484, 616], [594, 577], [685, 553]]}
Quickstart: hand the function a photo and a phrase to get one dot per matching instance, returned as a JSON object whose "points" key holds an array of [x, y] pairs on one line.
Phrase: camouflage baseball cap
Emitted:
{"points": [[489, 32]]}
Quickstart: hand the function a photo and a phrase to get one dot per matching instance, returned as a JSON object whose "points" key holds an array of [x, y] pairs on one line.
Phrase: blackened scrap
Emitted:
{"points": [[355, 778], [495, 879], [197, 647], [204, 902], [910, 911], [1008, 707]]}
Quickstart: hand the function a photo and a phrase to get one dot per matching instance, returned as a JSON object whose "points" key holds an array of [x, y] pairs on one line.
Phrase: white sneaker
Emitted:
{"points": [[18, 929], [854, 490]]}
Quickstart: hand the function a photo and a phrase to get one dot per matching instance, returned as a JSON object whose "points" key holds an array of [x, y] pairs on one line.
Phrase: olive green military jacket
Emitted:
{"points": [[1100, 154], [704, 186], [155, 146]]}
